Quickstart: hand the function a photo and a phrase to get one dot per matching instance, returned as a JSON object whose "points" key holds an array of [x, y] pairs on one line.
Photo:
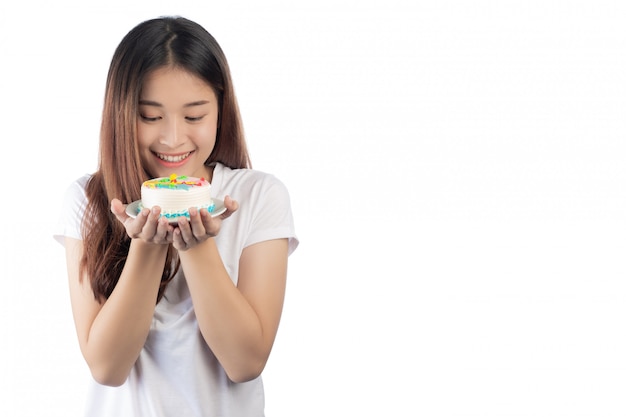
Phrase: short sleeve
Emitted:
{"points": [[273, 217], [72, 211]]}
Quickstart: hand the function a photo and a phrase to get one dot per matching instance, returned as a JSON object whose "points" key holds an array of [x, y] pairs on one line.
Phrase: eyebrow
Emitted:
{"points": [[157, 104]]}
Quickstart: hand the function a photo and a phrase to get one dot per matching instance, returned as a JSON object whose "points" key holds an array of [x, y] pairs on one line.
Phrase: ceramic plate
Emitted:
{"points": [[133, 209]]}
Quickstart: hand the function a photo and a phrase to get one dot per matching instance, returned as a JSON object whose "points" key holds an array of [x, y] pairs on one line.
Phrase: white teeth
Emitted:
{"points": [[169, 158]]}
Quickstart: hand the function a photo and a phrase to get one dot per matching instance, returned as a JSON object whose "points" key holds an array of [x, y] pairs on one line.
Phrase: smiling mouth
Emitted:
{"points": [[172, 158]]}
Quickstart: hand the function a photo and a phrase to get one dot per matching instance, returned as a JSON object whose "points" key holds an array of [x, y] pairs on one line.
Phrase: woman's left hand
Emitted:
{"points": [[200, 226]]}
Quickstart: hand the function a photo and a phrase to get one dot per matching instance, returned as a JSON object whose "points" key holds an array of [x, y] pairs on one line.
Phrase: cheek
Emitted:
{"points": [[143, 135], [207, 134], [144, 144]]}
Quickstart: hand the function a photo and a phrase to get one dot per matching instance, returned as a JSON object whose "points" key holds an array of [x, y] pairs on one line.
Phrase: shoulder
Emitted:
{"points": [[72, 210], [246, 174], [264, 212], [79, 184], [76, 195], [75, 192], [258, 193], [249, 181]]}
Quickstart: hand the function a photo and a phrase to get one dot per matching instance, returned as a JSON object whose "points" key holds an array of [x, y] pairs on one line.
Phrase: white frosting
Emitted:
{"points": [[176, 195]]}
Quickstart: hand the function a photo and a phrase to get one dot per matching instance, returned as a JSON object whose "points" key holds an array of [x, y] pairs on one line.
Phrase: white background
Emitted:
{"points": [[457, 176]]}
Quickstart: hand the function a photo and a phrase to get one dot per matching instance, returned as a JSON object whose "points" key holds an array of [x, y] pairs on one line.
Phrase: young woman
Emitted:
{"points": [[175, 320]]}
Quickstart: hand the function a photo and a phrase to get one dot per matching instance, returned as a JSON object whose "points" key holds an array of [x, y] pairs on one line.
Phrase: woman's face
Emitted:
{"points": [[177, 123]]}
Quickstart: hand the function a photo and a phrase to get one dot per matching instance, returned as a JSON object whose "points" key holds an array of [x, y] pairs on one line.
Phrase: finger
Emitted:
{"points": [[231, 207], [207, 220], [119, 210], [177, 239], [150, 225], [163, 229], [169, 237], [197, 226], [185, 232], [133, 226]]}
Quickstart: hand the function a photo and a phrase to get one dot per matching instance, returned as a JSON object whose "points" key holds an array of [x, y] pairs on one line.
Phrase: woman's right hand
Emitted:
{"points": [[147, 226]]}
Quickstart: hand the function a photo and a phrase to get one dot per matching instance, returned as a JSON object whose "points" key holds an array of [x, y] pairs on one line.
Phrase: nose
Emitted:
{"points": [[172, 134]]}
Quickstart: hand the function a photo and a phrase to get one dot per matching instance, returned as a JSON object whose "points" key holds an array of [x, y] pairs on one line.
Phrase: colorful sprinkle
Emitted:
{"points": [[174, 181]]}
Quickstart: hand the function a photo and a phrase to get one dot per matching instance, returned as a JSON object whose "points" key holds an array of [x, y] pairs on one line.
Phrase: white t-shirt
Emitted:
{"points": [[176, 373]]}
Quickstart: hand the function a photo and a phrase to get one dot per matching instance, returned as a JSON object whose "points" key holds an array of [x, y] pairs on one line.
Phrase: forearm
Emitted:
{"points": [[121, 327], [228, 323]]}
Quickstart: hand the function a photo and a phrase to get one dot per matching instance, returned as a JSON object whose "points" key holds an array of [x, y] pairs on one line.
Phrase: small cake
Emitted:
{"points": [[175, 195]]}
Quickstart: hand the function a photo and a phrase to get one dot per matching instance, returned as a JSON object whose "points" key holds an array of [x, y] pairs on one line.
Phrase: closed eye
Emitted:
{"points": [[149, 119], [194, 119]]}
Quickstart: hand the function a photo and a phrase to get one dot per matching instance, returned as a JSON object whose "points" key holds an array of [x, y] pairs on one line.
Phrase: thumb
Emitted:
{"points": [[231, 207], [119, 209]]}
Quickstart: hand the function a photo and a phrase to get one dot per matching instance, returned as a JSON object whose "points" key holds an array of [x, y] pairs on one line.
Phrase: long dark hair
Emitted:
{"points": [[157, 43]]}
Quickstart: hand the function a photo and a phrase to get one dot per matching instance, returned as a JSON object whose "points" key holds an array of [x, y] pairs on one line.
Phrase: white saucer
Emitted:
{"points": [[133, 209]]}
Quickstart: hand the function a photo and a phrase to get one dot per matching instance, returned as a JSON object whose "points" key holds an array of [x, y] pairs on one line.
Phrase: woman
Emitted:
{"points": [[175, 320]]}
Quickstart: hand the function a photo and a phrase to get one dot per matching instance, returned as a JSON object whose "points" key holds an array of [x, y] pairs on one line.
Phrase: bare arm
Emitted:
{"points": [[240, 322], [112, 334]]}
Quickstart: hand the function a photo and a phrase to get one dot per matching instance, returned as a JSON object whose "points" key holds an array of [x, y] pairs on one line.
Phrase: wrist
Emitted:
{"points": [[147, 248], [204, 250]]}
